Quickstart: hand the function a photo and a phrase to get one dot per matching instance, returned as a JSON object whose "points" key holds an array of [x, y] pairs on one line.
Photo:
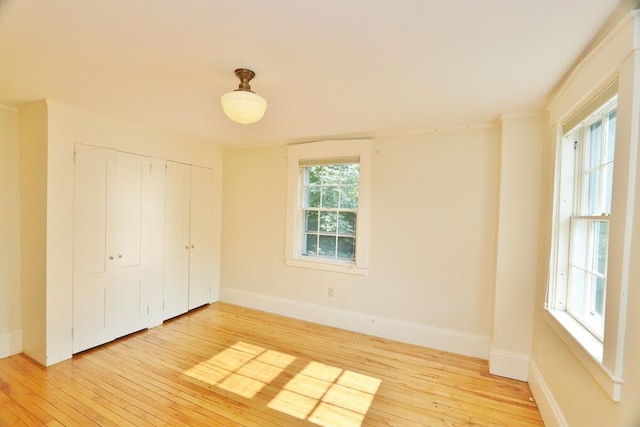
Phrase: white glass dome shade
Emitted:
{"points": [[243, 105]]}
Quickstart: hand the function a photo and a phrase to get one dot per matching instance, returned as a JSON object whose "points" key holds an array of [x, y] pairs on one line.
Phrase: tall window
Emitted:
{"points": [[330, 209], [329, 206], [593, 144]]}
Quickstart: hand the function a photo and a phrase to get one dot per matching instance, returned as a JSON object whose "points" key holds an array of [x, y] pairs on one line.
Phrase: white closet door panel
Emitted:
{"points": [[131, 177], [133, 205], [90, 210], [201, 262], [131, 311], [153, 242], [177, 202], [93, 306], [176, 255], [199, 288], [92, 317], [128, 294], [175, 295], [93, 310]]}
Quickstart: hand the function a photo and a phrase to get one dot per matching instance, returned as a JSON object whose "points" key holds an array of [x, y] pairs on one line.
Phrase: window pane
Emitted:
{"points": [[313, 196], [597, 295], [330, 174], [346, 248], [579, 243], [599, 255], [328, 222], [311, 221], [311, 245], [608, 185], [330, 197], [611, 136], [576, 292], [347, 223], [350, 173], [595, 140], [593, 193], [314, 174], [327, 246], [349, 196]]}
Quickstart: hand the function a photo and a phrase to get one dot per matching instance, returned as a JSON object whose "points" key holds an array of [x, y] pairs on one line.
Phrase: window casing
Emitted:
{"points": [[328, 206], [578, 291]]}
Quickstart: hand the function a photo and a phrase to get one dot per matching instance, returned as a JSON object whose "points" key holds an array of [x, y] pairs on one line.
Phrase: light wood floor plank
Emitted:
{"points": [[162, 403], [187, 393], [7, 412], [20, 370], [224, 365]]}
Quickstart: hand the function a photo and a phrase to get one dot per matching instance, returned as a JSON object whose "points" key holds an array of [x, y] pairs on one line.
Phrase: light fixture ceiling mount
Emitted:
{"points": [[243, 105], [245, 77]]}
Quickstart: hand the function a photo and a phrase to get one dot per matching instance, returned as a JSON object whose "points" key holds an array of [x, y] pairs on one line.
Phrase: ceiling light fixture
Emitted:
{"points": [[243, 105]]}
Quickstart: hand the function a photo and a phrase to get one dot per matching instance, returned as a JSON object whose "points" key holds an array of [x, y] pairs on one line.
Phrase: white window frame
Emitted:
{"points": [[605, 369], [322, 151]]}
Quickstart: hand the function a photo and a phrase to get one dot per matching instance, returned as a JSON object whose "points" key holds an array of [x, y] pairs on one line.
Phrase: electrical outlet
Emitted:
{"points": [[330, 292]]}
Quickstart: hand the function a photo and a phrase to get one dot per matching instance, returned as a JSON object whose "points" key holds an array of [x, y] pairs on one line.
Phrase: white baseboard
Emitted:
{"points": [[509, 364], [398, 330], [10, 344], [549, 409]]}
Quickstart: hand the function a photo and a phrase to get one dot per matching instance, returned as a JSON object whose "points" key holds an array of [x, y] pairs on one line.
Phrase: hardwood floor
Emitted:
{"points": [[224, 365]]}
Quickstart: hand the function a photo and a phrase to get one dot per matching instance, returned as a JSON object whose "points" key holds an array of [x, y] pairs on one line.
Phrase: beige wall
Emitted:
{"points": [[33, 227], [10, 313], [521, 143], [432, 255]]}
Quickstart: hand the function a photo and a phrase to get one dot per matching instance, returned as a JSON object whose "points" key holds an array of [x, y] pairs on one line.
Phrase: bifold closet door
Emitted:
{"points": [[93, 298], [176, 239], [201, 237], [132, 282], [111, 218], [188, 247]]}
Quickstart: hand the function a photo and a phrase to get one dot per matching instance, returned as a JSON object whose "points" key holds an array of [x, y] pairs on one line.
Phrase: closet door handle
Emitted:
{"points": [[119, 255], [193, 246], [186, 247], [111, 257]]}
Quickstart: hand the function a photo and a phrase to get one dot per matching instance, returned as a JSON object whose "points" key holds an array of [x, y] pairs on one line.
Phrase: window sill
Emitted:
{"points": [[336, 267], [586, 348]]}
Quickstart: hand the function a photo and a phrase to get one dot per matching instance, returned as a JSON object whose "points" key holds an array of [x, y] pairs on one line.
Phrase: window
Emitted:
{"points": [[594, 145], [330, 209], [588, 270], [329, 189], [578, 285]]}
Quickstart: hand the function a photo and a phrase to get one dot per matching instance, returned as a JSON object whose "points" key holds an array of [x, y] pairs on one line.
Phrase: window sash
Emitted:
{"points": [[588, 223], [594, 163], [586, 291], [333, 240]]}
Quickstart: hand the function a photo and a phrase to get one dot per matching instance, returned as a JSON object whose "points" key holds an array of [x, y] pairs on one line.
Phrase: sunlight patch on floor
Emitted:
{"points": [[327, 396], [322, 394], [243, 369]]}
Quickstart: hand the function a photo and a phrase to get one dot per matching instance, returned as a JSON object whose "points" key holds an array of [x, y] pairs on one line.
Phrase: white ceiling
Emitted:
{"points": [[327, 68]]}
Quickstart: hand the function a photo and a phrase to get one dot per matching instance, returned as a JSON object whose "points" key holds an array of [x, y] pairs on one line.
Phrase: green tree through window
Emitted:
{"points": [[330, 210]]}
